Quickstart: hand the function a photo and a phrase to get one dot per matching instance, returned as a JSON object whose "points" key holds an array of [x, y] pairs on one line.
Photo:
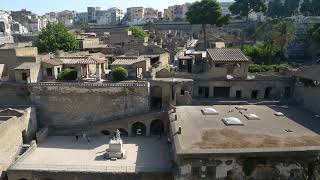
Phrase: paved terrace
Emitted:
{"points": [[64, 153], [297, 131]]}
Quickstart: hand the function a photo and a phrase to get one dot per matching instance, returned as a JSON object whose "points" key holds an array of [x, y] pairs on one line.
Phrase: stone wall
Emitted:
{"points": [[78, 104], [14, 94], [246, 87], [13, 132], [31, 175], [308, 96]]}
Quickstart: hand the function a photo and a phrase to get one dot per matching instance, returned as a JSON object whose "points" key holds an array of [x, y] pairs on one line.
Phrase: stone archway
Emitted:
{"points": [[139, 129], [157, 127], [156, 97], [106, 132]]}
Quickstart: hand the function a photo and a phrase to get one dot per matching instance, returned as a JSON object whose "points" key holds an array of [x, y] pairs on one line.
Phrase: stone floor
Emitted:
{"points": [[65, 153]]}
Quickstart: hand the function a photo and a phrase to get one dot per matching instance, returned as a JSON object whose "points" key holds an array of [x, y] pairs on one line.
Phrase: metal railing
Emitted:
{"points": [[77, 84]]}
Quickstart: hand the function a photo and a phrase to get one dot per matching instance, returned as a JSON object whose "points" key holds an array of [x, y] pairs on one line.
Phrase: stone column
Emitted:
{"points": [[98, 72], [87, 70], [103, 74], [79, 73]]}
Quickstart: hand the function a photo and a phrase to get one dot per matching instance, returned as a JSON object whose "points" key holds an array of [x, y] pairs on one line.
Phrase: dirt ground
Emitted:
{"points": [[231, 138]]}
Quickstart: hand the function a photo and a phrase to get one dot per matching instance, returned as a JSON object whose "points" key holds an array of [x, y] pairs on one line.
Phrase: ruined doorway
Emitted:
{"points": [[287, 92], [105, 132], [139, 129], [156, 97], [238, 94], [254, 94], [157, 127], [204, 92], [267, 93], [221, 92]]}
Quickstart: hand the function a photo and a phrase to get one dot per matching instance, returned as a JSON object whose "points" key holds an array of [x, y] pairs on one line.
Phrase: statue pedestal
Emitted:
{"points": [[116, 149]]}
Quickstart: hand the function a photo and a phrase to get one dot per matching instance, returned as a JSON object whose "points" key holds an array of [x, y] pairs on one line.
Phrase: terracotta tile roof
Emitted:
{"points": [[54, 62], [227, 55], [128, 60], [81, 60]]}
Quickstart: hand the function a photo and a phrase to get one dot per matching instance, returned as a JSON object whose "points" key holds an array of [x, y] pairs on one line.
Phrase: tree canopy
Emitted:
{"points": [[310, 7], [245, 7], [137, 31], [206, 12], [275, 9], [56, 37]]}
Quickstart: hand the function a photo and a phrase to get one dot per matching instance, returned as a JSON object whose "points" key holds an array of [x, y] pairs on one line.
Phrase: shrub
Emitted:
{"points": [[68, 74], [119, 74], [253, 68]]}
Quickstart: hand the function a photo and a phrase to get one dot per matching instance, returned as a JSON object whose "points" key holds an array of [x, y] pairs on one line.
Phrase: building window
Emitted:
{"points": [[49, 72], [287, 92], [24, 76]]}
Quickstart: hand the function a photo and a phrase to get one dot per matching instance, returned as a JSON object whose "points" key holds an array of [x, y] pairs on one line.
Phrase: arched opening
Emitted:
{"points": [[123, 132], [157, 127], [105, 132], [139, 129], [156, 97]]}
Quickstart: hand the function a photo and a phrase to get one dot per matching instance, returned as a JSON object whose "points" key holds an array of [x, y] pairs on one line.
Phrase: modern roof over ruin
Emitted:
{"points": [[296, 131], [227, 55], [26, 66]]}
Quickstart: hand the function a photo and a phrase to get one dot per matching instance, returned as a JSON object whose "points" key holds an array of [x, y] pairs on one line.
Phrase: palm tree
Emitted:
{"points": [[286, 33]]}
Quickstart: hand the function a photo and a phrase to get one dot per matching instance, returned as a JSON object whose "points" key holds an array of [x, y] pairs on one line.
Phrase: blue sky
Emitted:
{"points": [[43, 6]]}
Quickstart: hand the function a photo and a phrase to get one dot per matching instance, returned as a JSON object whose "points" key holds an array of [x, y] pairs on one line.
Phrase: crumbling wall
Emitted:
{"points": [[308, 96], [73, 105], [14, 94], [12, 133]]}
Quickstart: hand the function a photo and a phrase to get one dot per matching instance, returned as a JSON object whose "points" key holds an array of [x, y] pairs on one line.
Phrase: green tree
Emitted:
{"points": [[206, 12], [245, 7], [271, 45], [257, 52], [275, 9], [68, 74], [137, 31], [56, 37], [291, 7], [286, 33], [119, 74], [306, 8]]}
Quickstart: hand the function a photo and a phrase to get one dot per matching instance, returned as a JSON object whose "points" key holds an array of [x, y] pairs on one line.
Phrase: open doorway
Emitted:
{"points": [[157, 127], [139, 129], [156, 97], [267, 93], [254, 94]]}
